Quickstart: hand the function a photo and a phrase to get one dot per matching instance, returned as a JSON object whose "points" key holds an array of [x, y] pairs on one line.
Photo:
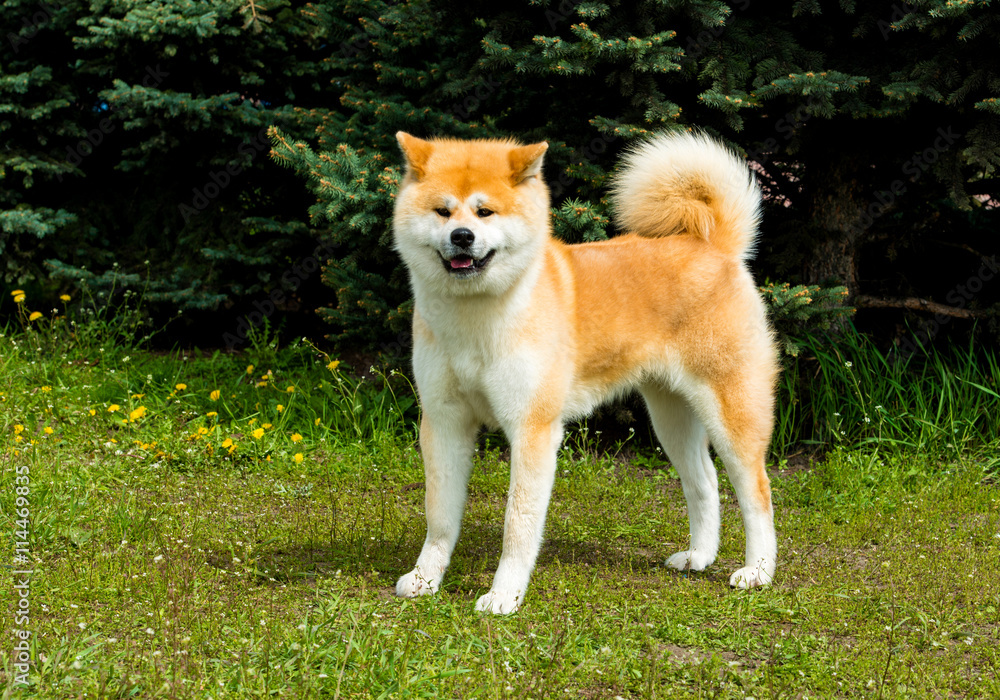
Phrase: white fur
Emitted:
{"points": [[689, 165]]}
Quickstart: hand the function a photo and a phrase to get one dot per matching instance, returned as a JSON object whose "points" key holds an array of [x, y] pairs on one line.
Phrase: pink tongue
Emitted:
{"points": [[458, 263]]}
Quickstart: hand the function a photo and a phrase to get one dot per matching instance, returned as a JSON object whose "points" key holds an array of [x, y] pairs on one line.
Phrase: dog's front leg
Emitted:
{"points": [[447, 440], [532, 471]]}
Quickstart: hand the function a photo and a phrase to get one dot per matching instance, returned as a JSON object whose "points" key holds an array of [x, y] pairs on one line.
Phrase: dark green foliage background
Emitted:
{"points": [[874, 128]]}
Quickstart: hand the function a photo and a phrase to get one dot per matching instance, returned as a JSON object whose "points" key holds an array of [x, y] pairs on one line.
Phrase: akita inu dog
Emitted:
{"points": [[513, 328]]}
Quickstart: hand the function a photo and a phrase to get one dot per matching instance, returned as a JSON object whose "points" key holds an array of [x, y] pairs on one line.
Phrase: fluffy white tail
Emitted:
{"points": [[683, 183]]}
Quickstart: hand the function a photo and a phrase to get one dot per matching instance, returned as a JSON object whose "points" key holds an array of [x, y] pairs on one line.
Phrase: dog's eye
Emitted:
{"points": [[443, 212], [483, 212]]}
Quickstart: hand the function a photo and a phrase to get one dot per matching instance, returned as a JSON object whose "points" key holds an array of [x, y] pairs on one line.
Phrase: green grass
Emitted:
{"points": [[169, 566], [844, 390]]}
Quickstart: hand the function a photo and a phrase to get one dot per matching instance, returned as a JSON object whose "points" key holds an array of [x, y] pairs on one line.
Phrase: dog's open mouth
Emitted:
{"points": [[466, 265]]}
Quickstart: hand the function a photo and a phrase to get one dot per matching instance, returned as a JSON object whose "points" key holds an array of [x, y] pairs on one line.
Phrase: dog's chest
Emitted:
{"points": [[495, 377]]}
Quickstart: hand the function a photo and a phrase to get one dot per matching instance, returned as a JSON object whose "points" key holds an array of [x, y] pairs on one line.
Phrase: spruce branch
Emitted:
{"points": [[254, 17]]}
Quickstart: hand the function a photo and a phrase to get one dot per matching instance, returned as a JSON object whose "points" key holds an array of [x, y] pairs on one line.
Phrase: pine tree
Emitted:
{"points": [[863, 123], [136, 145]]}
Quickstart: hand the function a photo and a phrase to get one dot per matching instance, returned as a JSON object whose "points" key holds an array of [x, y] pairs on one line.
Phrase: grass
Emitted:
{"points": [[170, 564]]}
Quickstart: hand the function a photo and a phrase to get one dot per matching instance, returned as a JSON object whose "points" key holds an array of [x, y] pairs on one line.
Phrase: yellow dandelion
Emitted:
{"points": [[258, 433], [92, 412], [266, 425], [47, 430], [227, 442], [279, 408], [113, 407], [138, 396], [317, 421], [46, 388], [249, 369], [290, 390], [215, 395], [298, 458], [18, 429], [35, 315], [181, 387], [137, 413], [18, 438], [260, 384], [251, 421], [212, 414], [333, 365], [296, 437], [18, 295], [65, 297], [202, 430]]}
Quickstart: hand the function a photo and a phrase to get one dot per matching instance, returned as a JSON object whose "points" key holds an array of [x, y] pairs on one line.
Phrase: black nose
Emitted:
{"points": [[462, 237]]}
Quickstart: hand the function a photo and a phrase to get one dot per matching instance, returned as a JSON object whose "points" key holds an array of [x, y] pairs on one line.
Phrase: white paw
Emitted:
{"points": [[414, 583], [499, 602], [690, 560], [752, 576]]}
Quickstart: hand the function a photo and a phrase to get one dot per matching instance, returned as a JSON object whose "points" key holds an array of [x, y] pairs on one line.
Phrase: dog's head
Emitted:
{"points": [[470, 216]]}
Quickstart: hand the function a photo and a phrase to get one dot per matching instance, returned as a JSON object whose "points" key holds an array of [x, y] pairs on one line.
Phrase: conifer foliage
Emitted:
{"points": [[138, 130], [864, 122], [135, 144]]}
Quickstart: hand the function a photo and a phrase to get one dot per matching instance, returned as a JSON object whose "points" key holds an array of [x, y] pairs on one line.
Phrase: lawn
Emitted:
{"points": [[232, 526]]}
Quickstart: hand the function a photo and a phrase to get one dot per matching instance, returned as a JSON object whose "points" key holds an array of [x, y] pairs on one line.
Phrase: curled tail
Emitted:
{"points": [[683, 183]]}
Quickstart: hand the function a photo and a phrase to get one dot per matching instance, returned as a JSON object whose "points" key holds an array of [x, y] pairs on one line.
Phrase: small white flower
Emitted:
{"points": [[848, 364], [158, 557]]}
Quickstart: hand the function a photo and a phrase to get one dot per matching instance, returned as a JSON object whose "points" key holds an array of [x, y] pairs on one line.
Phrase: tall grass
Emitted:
{"points": [[844, 390], [839, 390]]}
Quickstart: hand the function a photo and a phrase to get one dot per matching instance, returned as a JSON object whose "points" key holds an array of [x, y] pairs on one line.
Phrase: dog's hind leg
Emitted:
{"points": [[685, 442], [447, 440], [738, 415]]}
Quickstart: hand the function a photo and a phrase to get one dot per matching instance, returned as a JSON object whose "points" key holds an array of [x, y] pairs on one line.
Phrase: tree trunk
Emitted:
{"points": [[837, 212]]}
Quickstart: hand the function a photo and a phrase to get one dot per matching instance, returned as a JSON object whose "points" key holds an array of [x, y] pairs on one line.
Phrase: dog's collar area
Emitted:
{"points": [[466, 265]]}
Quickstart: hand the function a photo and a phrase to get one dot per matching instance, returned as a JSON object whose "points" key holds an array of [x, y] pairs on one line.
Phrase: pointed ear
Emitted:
{"points": [[526, 161], [416, 152]]}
